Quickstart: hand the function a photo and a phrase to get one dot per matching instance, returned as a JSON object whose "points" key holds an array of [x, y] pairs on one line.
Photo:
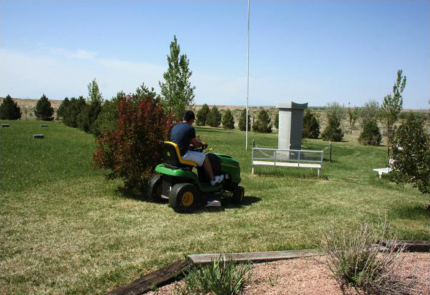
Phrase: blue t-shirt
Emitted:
{"points": [[182, 134]]}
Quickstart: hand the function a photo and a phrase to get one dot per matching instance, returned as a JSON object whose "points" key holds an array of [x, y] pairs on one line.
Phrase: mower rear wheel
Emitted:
{"points": [[184, 197], [238, 195], [155, 188]]}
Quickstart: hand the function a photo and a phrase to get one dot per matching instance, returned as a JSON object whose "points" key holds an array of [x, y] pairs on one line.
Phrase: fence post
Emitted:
{"points": [[253, 144], [329, 148]]}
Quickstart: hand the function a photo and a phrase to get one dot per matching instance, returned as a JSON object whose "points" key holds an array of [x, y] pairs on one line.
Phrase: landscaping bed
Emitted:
{"points": [[310, 276]]}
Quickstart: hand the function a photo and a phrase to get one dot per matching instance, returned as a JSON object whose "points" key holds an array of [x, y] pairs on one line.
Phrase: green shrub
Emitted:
{"points": [[242, 121], [214, 117], [263, 124], [228, 120], [44, 111], [370, 134], [9, 109], [354, 258], [219, 278], [202, 115], [311, 127]]}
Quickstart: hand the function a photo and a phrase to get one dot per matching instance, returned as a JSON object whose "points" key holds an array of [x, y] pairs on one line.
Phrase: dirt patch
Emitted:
{"points": [[310, 276]]}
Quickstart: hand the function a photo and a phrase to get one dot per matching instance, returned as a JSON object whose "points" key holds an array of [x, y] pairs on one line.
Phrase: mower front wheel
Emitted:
{"points": [[184, 197], [238, 195], [155, 188]]}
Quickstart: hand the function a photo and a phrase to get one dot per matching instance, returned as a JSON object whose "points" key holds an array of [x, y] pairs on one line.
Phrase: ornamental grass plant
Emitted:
{"points": [[220, 277], [358, 259]]}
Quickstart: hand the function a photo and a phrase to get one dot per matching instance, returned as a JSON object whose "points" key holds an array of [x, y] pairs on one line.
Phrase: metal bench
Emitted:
{"points": [[263, 156]]}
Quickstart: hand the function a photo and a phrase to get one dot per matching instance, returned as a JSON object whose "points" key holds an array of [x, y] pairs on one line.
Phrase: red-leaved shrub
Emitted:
{"points": [[133, 150]]}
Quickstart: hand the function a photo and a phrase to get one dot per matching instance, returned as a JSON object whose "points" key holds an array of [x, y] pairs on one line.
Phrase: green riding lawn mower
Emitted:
{"points": [[187, 191]]}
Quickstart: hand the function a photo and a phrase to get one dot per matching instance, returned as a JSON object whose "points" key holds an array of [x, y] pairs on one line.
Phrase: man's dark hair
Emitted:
{"points": [[189, 115]]}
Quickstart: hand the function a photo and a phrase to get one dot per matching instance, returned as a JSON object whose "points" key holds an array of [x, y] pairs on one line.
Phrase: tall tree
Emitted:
{"points": [[177, 92], [9, 109], [393, 103], [44, 111], [370, 112], [94, 94]]}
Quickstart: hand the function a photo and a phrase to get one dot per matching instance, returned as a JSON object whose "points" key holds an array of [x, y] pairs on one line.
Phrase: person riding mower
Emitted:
{"points": [[186, 190]]}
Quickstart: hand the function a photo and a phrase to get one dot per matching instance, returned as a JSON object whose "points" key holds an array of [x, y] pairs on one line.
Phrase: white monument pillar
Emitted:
{"points": [[290, 125]]}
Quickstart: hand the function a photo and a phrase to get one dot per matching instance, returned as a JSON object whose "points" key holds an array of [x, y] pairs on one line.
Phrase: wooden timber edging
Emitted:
{"points": [[254, 256], [170, 272], [147, 282]]}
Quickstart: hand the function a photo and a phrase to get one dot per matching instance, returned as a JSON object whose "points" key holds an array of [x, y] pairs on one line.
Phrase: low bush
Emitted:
{"points": [[221, 277], [371, 135], [354, 258]]}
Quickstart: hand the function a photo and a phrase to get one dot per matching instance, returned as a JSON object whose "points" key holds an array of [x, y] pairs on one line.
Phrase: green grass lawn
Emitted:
{"points": [[66, 230]]}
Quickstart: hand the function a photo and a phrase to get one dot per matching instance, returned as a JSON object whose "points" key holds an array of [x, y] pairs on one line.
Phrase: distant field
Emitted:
{"points": [[66, 230]]}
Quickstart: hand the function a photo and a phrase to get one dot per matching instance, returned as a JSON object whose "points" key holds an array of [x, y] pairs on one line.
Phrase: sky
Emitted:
{"points": [[314, 52]]}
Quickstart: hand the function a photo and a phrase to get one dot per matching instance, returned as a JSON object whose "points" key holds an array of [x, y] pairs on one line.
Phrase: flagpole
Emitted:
{"points": [[247, 83]]}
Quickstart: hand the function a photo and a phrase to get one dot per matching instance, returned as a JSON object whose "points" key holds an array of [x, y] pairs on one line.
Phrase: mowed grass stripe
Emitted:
{"points": [[66, 230]]}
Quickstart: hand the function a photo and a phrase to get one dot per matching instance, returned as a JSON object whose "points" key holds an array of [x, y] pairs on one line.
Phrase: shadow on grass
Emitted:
{"points": [[416, 212]]}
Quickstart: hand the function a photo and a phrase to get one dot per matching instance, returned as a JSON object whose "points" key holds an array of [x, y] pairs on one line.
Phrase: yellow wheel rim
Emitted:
{"points": [[187, 199], [158, 190]]}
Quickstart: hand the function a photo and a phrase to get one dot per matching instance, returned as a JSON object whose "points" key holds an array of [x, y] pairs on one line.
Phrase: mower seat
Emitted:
{"points": [[173, 156]]}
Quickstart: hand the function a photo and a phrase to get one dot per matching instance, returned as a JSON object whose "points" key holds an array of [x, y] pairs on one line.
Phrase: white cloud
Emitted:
{"points": [[59, 72]]}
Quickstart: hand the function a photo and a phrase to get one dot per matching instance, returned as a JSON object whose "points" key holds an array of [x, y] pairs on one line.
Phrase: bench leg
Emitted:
{"points": [[380, 174], [319, 172], [252, 169]]}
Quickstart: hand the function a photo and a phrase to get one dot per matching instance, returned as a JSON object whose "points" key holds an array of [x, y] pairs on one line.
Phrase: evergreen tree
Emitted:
{"points": [[263, 124], [277, 121], [72, 111], [63, 107], [335, 114], [9, 109], [228, 120], [411, 154], [177, 92], [370, 134], [202, 115], [311, 127], [242, 121], [214, 117], [90, 111], [108, 117], [44, 111]]}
